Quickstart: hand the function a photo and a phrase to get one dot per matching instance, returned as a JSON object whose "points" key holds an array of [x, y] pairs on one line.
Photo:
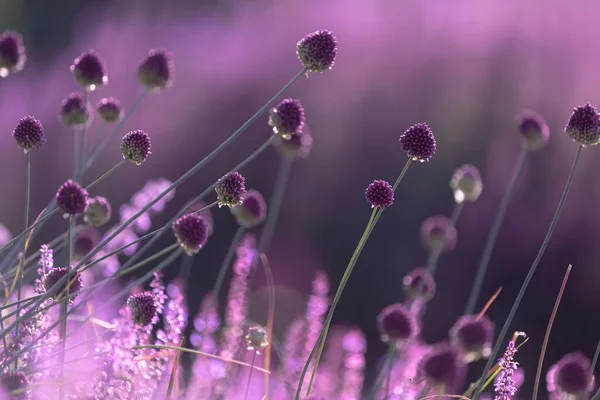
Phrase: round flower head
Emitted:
{"points": [[135, 146], [583, 126], [98, 211], [397, 323], [466, 184], [252, 211], [257, 338], [298, 146], [419, 285], [74, 111], [84, 242], [71, 198], [317, 50], [13, 381], [533, 129], [156, 70], [89, 70], [231, 189], [443, 367], [379, 194], [438, 231], [287, 118], [474, 336], [12, 53], [191, 232], [572, 375], [143, 308], [109, 109], [29, 134], [206, 214], [418, 142], [55, 275]]}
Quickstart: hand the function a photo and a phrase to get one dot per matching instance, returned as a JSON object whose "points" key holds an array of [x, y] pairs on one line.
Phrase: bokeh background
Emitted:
{"points": [[466, 68]]}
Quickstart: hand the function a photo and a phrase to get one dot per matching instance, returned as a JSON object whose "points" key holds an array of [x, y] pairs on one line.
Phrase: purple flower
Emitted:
{"points": [[143, 308], [257, 338], [252, 211], [29, 133], [191, 232], [474, 335], [419, 285], [466, 184], [231, 189], [12, 53], [298, 146], [533, 129], [74, 111], [504, 385], [583, 125], [206, 214], [135, 146], [156, 70], [438, 231], [379, 194], [85, 241], [443, 367], [572, 375], [13, 381], [55, 275], [89, 70], [109, 109], [418, 142], [287, 118], [98, 211], [397, 323], [71, 198], [317, 50]]}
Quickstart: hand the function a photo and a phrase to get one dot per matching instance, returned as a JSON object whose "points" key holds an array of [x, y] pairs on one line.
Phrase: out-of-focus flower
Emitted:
{"points": [[12, 53], [443, 368], [572, 376], [298, 146], [252, 211], [191, 233], [55, 275], [84, 242], [156, 70], [89, 70], [438, 231], [419, 285], [466, 183], [533, 129], [110, 109], [257, 338], [143, 308], [98, 211], [474, 335], [397, 323], [74, 111]]}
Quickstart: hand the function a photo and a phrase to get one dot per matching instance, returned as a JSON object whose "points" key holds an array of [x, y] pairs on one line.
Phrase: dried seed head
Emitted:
{"points": [[74, 111], [397, 323], [419, 285], [257, 338], [109, 109], [143, 308], [231, 189], [466, 184], [135, 146], [287, 118], [533, 129], [317, 50], [418, 142], [379, 194], [98, 211], [438, 231], [89, 70], [55, 275], [252, 211], [156, 70], [191, 232], [12, 53], [474, 336], [29, 134], [71, 198], [583, 126]]}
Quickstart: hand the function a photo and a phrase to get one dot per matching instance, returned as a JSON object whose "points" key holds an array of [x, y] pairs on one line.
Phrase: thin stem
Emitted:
{"points": [[250, 375], [529, 276], [435, 254], [391, 366], [106, 174], [75, 154], [594, 361], [81, 161], [97, 139], [65, 304], [494, 231]]}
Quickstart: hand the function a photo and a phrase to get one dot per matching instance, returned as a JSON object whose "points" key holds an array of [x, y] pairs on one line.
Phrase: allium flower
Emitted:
{"points": [[583, 126], [12, 53], [29, 134], [135, 146], [5, 235], [474, 335], [572, 375], [418, 142], [71, 198], [74, 111], [397, 323], [55, 275], [419, 285], [287, 118], [89, 70], [110, 109], [156, 70], [85, 241], [231, 189], [443, 367], [466, 184], [191, 233], [504, 385], [13, 381], [252, 211], [379, 194], [298, 146], [143, 308], [98, 211], [257, 338], [317, 50], [533, 129], [438, 231]]}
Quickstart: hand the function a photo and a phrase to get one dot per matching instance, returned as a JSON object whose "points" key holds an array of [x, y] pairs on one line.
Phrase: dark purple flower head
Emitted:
{"points": [[206, 214], [438, 231], [12, 53], [533, 129], [298, 146], [98, 211], [13, 381], [71, 198], [379, 194], [109, 109], [257, 338], [443, 367], [191, 232], [85, 241], [474, 336], [418, 142], [89, 70], [74, 111], [584, 125], [466, 184], [573, 375], [156, 70], [29, 133], [55, 275], [317, 50], [287, 118], [419, 285], [143, 308], [252, 211], [397, 323], [135, 146], [231, 189]]}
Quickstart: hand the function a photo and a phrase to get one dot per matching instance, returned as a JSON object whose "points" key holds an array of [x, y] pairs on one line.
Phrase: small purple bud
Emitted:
{"points": [[533, 129], [231, 189], [252, 211], [474, 335], [143, 308], [191, 233], [98, 211], [156, 70], [317, 50], [583, 126], [71, 198], [109, 109], [13, 381], [29, 134], [12, 53], [298, 146], [438, 231], [89, 70], [397, 323], [287, 118], [466, 184], [573, 375], [380, 194], [85, 241], [135, 146], [55, 275], [418, 142], [419, 285], [257, 338], [443, 368], [74, 111]]}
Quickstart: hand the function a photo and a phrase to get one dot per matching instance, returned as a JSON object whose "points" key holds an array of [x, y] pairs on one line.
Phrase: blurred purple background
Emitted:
{"points": [[466, 68]]}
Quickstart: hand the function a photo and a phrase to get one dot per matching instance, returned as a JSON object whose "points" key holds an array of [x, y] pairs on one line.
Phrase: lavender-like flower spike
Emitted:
{"points": [[135, 146], [252, 211], [89, 70], [74, 111], [317, 50], [438, 231], [504, 385], [287, 118], [143, 308], [110, 109], [12, 53], [572, 376], [29, 134], [191, 232], [55, 275], [584, 125], [533, 129], [156, 70], [257, 338], [474, 335], [98, 211], [379, 194], [71, 198], [231, 189], [418, 142], [466, 184], [397, 323]]}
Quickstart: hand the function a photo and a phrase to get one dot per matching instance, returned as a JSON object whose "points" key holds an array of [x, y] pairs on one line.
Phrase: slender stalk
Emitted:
{"points": [[81, 161], [250, 375], [529, 276], [494, 231], [97, 139], [385, 372], [65, 304], [106, 174], [391, 366], [435, 254], [594, 361], [76, 140]]}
